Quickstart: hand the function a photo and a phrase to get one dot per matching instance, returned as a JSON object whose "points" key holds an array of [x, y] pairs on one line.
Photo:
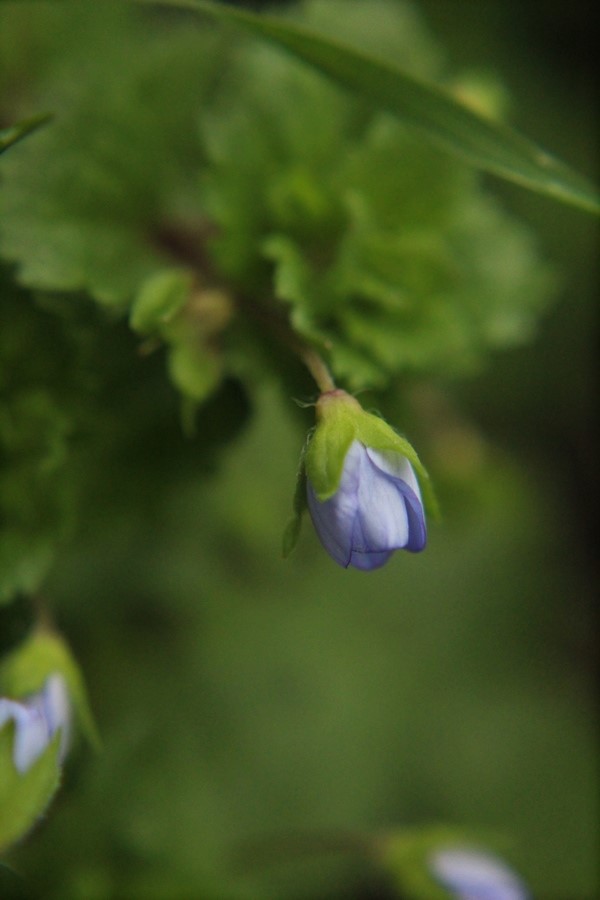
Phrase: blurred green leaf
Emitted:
{"points": [[487, 145], [293, 198], [420, 279], [83, 207], [160, 298], [12, 886], [35, 489], [194, 371], [14, 133]]}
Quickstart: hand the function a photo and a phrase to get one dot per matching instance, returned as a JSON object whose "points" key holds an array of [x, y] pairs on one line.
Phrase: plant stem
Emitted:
{"points": [[317, 368], [282, 330]]}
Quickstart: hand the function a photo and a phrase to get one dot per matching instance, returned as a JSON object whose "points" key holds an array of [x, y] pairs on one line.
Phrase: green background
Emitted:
{"points": [[243, 699]]}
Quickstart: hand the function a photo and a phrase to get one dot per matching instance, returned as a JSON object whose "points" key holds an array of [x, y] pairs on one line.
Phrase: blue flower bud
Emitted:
{"points": [[470, 874], [376, 509], [37, 719], [362, 492]]}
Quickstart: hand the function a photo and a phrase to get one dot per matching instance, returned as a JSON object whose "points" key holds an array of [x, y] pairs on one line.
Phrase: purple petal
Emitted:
{"points": [[398, 469], [368, 561], [334, 518], [417, 528], [382, 521], [37, 719], [31, 731], [31, 738], [377, 509]]}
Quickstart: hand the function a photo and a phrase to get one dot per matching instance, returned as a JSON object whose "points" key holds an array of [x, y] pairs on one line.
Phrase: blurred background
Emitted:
{"points": [[255, 711]]}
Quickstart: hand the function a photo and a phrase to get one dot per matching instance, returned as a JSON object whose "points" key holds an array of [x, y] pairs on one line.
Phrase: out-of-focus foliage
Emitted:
{"points": [[36, 486], [388, 253], [462, 128], [198, 200], [14, 133]]}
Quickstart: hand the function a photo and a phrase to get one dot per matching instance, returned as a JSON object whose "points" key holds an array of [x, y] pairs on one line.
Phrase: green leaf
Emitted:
{"points": [[194, 370], [14, 133], [170, 307], [489, 146], [160, 298], [388, 269], [86, 205], [421, 278]]}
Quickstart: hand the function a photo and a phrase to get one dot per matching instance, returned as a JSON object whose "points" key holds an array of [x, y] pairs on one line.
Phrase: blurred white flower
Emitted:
{"points": [[470, 874]]}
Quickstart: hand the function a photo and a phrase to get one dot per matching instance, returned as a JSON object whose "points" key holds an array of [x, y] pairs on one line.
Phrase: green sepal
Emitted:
{"points": [[13, 885], [330, 442], [291, 531], [44, 653], [24, 798], [374, 432]]}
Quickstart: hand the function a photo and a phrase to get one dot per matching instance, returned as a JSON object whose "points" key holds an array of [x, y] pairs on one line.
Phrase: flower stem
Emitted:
{"points": [[282, 330], [317, 368]]}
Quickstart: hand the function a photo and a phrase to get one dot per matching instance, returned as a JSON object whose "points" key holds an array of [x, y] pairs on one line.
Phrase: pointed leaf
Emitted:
{"points": [[489, 146]]}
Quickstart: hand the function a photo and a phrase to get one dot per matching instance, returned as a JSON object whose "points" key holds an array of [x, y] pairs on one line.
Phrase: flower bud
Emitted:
{"points": [[470, 874], [41, 695], [37, 719], [446, 863], [361, 488]]}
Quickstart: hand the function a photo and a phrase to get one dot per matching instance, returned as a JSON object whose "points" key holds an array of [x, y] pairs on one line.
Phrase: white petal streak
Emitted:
{"points": [[57, 708], [31, 739], [381, 511], [396, 465], [471, 873], [37, 718]]}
